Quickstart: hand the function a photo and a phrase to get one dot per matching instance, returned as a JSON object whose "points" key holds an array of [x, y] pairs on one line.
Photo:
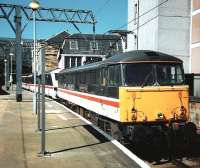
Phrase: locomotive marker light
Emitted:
{"points": [[35, 5]]}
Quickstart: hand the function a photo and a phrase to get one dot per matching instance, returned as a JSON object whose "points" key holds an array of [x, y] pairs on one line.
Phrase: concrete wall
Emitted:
{"points": [[174, 29], [130, 38], [195, 113], [165, 28], [195, 44], [148, 25], [146, 28]]}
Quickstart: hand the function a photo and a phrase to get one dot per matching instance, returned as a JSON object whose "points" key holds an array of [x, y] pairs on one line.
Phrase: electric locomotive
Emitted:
{"points": [[138, 97], [133, 87]]}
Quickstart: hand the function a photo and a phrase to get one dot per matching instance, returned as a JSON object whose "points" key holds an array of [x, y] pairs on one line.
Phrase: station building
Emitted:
{"points": [[195, 39], [79, 49]]}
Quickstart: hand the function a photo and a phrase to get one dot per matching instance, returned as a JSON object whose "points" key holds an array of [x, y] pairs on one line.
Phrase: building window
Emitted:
{"points": [[93, 45], [67, 62], [73, 45], [79, 61], [135, 13], [73, 62]]}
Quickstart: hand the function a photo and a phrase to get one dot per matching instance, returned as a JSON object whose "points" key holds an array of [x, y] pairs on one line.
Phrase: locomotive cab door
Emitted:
{"points": [[114, 81]]}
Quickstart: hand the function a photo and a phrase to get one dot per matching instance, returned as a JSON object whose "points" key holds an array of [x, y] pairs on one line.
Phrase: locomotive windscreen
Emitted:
{"points": [[152, 74]]}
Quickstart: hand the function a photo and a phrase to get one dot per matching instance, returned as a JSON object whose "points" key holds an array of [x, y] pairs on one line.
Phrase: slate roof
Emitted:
{"points": [[90, 36], [58, 38]]}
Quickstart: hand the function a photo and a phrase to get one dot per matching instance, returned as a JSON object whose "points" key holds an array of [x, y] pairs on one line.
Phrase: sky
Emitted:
{"points": [[110, 14]]}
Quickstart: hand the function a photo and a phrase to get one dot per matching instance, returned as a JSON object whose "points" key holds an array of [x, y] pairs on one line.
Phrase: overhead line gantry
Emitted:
{"points": [[14, 14]]}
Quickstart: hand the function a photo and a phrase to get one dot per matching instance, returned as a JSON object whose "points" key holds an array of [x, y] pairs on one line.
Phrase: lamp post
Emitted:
{"points": [[11, 77], [34, 6]]}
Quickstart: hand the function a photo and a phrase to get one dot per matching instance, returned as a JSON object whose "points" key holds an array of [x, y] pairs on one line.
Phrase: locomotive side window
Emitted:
{"points": [[169, 74], [111, 74], [114, 74], [103, 77]]}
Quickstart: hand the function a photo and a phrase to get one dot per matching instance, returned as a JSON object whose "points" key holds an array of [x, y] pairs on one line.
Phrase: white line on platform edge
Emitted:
{"points": [[62, 117], [139, 161]]}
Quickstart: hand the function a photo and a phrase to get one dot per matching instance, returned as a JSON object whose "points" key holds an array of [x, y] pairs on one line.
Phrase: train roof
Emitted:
{"points": [[136, 56]]}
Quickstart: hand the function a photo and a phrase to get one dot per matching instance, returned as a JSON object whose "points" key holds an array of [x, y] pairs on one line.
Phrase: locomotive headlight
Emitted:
{"points": [[160, 115]]}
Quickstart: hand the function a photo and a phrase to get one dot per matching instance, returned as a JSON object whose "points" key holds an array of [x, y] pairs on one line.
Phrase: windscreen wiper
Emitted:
{"points": [[146, 79]]}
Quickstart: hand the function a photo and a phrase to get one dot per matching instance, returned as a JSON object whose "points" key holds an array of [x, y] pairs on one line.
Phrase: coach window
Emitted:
{"points": [[49, 80], [83, 78], [92, 77], [73, 78], [87, 77]]}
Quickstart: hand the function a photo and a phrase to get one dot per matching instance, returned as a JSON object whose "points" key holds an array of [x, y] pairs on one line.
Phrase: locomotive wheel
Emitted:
{"points": [[190, 129], [149, 142], [190, 138]]}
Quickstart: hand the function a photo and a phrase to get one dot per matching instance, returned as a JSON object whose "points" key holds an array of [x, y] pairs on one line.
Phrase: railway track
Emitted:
{"points": [[178, 163]]}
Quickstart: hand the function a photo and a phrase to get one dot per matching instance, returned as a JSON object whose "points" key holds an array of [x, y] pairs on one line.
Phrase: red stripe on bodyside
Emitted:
{"points": [[49, 86], [98, 100]]}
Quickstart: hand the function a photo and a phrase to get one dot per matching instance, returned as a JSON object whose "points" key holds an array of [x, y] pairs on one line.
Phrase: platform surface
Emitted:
{"points": [[71, 142]]}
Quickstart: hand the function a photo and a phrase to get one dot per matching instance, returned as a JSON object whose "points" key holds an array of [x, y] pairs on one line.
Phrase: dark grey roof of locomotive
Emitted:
{"points": [[137, 56]]}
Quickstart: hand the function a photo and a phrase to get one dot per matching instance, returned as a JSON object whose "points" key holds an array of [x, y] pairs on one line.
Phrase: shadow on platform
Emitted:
{"points": [[60, 128], [3, 92], [101, 138], [74, 148]]}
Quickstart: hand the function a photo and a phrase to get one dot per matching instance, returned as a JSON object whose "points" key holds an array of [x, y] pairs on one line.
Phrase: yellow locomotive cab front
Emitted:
{"points": [[154, 103]]}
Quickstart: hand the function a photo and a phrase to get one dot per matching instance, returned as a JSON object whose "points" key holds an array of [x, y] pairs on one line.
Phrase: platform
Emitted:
{"points": [[70, 141]]}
